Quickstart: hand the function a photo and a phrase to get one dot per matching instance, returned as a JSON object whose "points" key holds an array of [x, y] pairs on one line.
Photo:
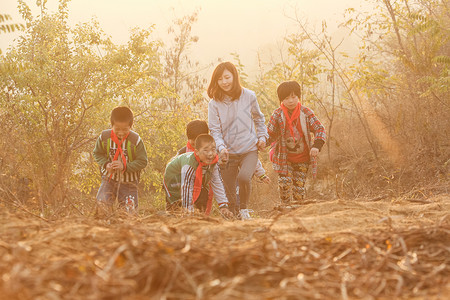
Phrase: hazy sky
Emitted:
{"points": [[242, 26]]}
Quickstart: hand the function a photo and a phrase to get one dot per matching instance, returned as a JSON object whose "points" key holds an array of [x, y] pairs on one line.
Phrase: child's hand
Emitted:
{"points": [[109, 168], [314, 152], [117, 165], [226, 212], [223, 157], [261, 145]]}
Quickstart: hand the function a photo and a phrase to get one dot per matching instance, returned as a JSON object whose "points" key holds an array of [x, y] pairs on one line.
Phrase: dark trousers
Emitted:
{"points": [[125, 192]]}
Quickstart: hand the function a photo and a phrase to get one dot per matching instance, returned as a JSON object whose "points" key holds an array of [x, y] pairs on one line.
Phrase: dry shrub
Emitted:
{"points": [[395, 163]]}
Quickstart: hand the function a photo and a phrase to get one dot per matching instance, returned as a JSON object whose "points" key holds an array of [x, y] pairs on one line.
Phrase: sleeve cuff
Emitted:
{"points": [[318, 144], [223, 205]]}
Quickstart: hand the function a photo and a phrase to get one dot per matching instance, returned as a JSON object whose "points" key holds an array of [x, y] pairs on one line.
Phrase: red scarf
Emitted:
{"points": [[199, 176], [292, 118], [119, 150], [189, 147]]}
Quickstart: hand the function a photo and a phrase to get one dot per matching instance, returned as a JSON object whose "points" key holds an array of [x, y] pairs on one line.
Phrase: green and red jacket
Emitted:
{"points": [[179, 179]]}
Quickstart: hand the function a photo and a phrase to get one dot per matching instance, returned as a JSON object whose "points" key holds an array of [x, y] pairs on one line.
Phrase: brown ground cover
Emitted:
{"points": [[326, 249]]}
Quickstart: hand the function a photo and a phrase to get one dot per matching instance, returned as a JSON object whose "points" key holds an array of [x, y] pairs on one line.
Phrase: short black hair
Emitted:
{"points": [[195, 128], [203, 139], [122, 114], [287, 88]]}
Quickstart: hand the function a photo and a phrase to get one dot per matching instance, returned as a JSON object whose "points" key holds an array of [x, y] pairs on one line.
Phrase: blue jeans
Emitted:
{"points": [[127, 192]]}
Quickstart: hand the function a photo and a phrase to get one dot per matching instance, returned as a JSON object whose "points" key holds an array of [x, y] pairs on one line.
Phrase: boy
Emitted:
{"points": [[189, 175], [193, 130], [121, 155], [292, 149], [197, 127]]}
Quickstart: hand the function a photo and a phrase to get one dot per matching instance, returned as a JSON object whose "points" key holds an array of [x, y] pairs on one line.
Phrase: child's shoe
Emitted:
{"points": [[296, 203], [245, 214], [285, 204], [129, 204]]}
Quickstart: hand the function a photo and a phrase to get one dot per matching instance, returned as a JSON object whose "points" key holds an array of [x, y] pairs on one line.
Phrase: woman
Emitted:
{"points": [[237, 125]]}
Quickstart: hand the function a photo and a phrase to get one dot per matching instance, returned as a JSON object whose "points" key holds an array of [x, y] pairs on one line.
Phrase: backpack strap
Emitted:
{"points": [[133, 140], [131, 149], [105, 137]]}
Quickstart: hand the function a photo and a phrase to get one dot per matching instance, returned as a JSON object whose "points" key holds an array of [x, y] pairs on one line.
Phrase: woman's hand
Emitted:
{"points": [[223, 157], [261, 145]]}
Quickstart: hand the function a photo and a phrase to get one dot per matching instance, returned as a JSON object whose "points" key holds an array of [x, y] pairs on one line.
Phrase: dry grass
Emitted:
{"points": [[343, 249]]}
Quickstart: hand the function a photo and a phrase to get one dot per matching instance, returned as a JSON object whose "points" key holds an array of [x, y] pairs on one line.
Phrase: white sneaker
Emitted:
{"points": [[129, 204], [245, 214]]}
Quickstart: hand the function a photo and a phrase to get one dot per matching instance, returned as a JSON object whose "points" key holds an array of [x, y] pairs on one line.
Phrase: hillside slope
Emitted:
{"points": [[340, 249]]}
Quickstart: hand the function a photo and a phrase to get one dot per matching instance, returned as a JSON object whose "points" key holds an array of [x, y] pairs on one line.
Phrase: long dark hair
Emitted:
{"points": [[214, 90]]}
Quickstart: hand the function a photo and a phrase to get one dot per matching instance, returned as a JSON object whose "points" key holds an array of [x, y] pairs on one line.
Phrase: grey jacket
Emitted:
{"points": [[237, 125]]}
